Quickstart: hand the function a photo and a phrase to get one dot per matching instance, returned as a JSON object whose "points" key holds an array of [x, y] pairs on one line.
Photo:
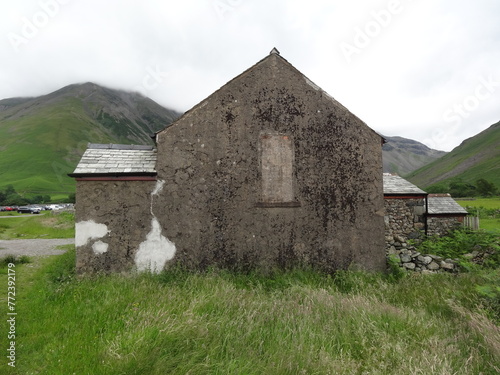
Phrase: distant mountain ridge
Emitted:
{"points": [[42, 138], [402, 155], [475, 158]]}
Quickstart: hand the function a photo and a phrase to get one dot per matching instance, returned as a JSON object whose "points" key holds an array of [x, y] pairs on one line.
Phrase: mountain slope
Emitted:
{"points": [[402, 156], [42, 138], [477, 157]]}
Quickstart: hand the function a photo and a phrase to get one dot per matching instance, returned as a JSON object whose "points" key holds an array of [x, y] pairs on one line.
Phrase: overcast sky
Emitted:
{"points": [[428, 70]]}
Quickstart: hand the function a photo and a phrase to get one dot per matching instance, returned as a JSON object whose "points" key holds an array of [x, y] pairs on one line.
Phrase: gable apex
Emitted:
{"points": [[276, 65], [274, 51]]}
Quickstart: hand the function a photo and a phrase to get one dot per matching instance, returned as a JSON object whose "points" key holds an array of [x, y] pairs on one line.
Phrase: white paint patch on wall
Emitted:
{"points": [[100, 247], [89, 230], [155, 251], [158, 187]]}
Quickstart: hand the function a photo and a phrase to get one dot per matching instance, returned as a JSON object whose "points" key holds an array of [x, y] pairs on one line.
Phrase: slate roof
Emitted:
{"points": [[443, 204], [393, 184], [106, 159]]}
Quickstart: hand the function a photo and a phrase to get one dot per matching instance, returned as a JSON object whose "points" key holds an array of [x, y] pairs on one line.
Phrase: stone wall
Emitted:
{"points": [[112, 220], [442, 225], [412, 260], [404, 221]]}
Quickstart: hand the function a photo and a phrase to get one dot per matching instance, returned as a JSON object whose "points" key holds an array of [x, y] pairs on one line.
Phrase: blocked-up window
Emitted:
{"points": [[277, 159]]}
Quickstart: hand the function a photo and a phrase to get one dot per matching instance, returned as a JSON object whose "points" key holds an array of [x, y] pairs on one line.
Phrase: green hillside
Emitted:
{"points": [[476, 158], [42, 139]]}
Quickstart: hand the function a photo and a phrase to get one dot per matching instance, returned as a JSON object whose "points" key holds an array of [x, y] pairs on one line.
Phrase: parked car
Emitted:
{"points": [[29, 210]]}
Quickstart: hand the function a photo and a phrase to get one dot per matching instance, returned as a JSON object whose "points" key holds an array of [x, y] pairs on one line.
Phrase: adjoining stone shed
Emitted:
{"points": [[411, 213], [405, 209], [444, 214], [267, 172]]}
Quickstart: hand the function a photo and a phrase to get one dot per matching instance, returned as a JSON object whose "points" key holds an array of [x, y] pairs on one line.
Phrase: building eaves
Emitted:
{"points": [[396, 185]]}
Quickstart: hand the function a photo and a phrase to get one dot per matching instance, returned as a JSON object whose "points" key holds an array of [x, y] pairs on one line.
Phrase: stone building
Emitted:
{"points": [[267, 172], [405, 209], [444, 214], [411, 213]]}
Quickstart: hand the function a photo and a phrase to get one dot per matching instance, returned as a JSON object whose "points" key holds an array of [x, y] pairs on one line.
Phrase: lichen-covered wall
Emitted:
{"points": [[212, 205], [113, 222]]}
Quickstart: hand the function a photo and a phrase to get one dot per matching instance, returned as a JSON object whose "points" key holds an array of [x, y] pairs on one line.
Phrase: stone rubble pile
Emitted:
{"points": [[412, 260]]}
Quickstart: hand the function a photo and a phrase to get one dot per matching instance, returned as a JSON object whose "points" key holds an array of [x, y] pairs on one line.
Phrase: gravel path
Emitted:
{"points": [[34, 247]]}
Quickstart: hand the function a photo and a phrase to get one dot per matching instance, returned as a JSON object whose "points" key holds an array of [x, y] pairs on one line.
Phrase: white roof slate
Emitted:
{"points": [[393, 184], [443, 204], [117, 159]]}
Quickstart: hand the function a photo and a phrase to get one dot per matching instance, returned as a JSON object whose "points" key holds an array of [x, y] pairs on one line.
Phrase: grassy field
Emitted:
{"points": [[45, 225], [488, 210], [299, 322], [219, 322]]}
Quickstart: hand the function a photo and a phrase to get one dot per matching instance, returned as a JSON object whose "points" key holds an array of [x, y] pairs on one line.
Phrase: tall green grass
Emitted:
{"points": [[296, 322]]}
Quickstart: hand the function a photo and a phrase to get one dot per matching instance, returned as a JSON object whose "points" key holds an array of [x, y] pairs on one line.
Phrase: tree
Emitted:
{"points": [[486, 188], [9, 190], [438, 188], [462, 189]]}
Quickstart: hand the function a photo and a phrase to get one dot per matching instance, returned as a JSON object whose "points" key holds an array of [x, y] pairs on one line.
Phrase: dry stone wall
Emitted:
{"points": [[412, 260], [442, 225], [404, 221]]}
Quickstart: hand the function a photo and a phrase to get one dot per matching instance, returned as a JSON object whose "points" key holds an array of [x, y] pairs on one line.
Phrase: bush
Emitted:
{"points": [[23, 259], [467, 246]]}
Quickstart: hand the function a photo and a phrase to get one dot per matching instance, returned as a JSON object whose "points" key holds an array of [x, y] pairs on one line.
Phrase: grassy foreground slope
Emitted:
{"points": [[477, 157], [297, 322]]}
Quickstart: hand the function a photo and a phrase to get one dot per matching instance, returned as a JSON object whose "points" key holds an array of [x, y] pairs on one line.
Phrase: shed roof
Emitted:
{"points": [[114, 159], [443, 204], [394, 184]]}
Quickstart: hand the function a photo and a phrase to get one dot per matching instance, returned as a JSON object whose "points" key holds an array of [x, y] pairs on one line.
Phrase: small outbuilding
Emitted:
{"points": [[411, 213], [405, 209], [444, 214], [267, 172]]}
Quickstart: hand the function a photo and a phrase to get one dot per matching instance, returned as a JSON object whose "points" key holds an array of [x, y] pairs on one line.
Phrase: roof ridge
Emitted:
{"points": [[116, 146]]}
